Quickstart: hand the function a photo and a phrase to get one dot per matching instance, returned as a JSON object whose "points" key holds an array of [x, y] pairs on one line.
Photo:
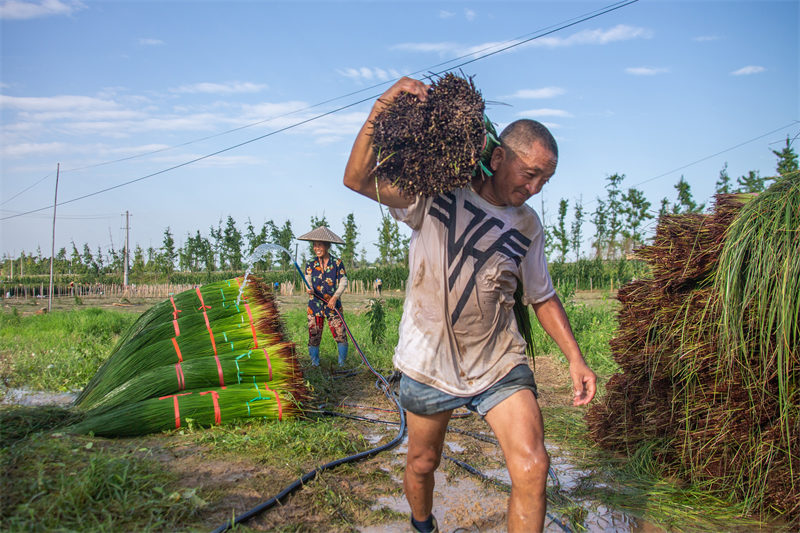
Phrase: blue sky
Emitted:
{"points": [[116, 91]]}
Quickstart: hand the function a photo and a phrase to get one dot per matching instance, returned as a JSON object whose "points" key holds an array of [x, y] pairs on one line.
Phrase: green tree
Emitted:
{"points": [[391, 245], [215, 240], [138, 265], [167, 255], [685, 203], [284, 237], [636, 209], [614, 213], [752, 182], [723, 185], [664, 209], [787, 159], [87, 258], [232, 242], [350, 238], [600, 221], [576, 230], [76, 264], [560, 235]]}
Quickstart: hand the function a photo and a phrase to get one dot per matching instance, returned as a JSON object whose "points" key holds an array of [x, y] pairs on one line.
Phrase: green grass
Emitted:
{"points": [[58, 351], [593, 326], [61, 483]]}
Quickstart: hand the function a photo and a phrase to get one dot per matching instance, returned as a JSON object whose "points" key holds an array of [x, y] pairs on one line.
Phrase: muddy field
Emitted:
{"points": [[365, 496]]}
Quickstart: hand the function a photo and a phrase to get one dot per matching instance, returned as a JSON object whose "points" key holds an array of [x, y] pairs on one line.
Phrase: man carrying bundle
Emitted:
{"points": [[459, 342]]}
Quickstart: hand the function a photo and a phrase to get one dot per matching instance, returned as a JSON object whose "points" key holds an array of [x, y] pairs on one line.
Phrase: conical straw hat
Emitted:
{"points": [[323, 234]]}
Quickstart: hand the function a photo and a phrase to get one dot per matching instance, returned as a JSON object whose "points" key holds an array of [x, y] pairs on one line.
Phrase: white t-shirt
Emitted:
{"points": [[458, 332]]}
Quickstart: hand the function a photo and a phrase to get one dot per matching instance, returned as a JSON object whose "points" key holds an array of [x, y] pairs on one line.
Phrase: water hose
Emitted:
{"points": [[308, 476]]}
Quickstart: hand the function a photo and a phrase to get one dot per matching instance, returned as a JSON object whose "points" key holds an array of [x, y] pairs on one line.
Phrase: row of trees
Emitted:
{"points": [[622, 220], [623, 217]]}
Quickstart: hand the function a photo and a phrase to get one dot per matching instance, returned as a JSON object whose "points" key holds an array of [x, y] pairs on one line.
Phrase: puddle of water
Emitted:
{"points": [[34, 398]]}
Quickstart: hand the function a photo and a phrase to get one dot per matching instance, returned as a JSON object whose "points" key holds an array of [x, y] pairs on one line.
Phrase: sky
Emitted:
{"points": [[183, 113]]}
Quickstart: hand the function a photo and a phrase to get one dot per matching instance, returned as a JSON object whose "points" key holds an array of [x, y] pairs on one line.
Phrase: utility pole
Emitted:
{"points": [[53, 245], [127, 251]]}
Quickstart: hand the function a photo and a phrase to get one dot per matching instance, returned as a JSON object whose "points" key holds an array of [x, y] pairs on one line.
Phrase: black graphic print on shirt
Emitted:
{"points": [[473, 244]]}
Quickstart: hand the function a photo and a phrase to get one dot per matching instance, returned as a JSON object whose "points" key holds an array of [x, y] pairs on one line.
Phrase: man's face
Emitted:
{"points": [[521, 174]]}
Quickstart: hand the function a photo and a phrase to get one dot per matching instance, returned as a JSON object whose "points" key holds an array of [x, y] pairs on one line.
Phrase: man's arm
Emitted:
{"points": [[554, 320], [358, 173]]}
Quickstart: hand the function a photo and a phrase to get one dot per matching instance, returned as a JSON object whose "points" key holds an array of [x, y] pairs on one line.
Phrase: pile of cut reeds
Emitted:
{"points": [[426, 148], [709, 352], [210, 353]]}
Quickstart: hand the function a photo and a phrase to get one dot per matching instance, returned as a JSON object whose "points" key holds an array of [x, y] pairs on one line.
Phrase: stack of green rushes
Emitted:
{"points": [[266, 364], [269, 400], [159, 324], [249, 344]]}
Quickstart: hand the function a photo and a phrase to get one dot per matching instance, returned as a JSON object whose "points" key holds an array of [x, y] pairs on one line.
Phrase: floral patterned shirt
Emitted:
{"points": [[324, 281]]}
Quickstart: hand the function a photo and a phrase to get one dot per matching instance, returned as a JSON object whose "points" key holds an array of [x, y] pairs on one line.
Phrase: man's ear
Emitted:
{"points": [[498, 155]]}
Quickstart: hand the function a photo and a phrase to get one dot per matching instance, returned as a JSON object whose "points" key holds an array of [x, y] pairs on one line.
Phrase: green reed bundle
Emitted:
{"points": [[267, 364], [204, 407], [217, 343], [183, 314], [254, 323]]}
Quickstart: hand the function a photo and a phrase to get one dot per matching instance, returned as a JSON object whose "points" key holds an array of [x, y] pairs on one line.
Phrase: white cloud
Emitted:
{"points": [[31, 149], [705, 38], [646, 71], [545, 112], [445, 14], [618, 33], [469, 14], [231, 87], [749, 69], [150, 42], [544, 92], [369, 73], [55, 103], [19, 10]]}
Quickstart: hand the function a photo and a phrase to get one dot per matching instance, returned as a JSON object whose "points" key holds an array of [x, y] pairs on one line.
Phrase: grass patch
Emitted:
{"points": [[62, 483], [58, 351]]}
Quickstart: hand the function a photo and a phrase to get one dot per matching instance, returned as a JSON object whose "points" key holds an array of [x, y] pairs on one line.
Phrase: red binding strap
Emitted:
{"points": [[215, 398], [175, 312], [203, 308], [175, 404], [177, 349], [219, 371], [269, 363], [277, 399], [181, 379], [252, 324]]}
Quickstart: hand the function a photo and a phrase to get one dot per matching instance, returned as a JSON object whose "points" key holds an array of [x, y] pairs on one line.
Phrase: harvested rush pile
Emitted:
{"points": [[430, 147], [710, 352], [199, 356]]}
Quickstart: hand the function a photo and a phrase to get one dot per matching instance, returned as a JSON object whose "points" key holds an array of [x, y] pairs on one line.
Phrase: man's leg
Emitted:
{"points": [[425, 441], [517, 423]]}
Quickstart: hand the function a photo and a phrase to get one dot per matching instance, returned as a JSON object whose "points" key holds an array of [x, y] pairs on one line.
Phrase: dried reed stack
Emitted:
{"points": [[198, 343], [430, 147], [709, 351]]}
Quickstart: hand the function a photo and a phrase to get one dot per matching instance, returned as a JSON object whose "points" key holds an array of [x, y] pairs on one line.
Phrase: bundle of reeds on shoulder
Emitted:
{"points": [[205, 340], [710, 351], [426, 148]]}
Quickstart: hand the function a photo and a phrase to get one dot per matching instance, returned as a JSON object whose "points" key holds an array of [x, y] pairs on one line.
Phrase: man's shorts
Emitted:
{"points": [[423, 399]]}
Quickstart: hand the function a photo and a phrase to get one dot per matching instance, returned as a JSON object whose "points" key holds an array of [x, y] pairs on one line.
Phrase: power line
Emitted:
{"points": [[4, 202], [504, 46], [538, 35]]}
